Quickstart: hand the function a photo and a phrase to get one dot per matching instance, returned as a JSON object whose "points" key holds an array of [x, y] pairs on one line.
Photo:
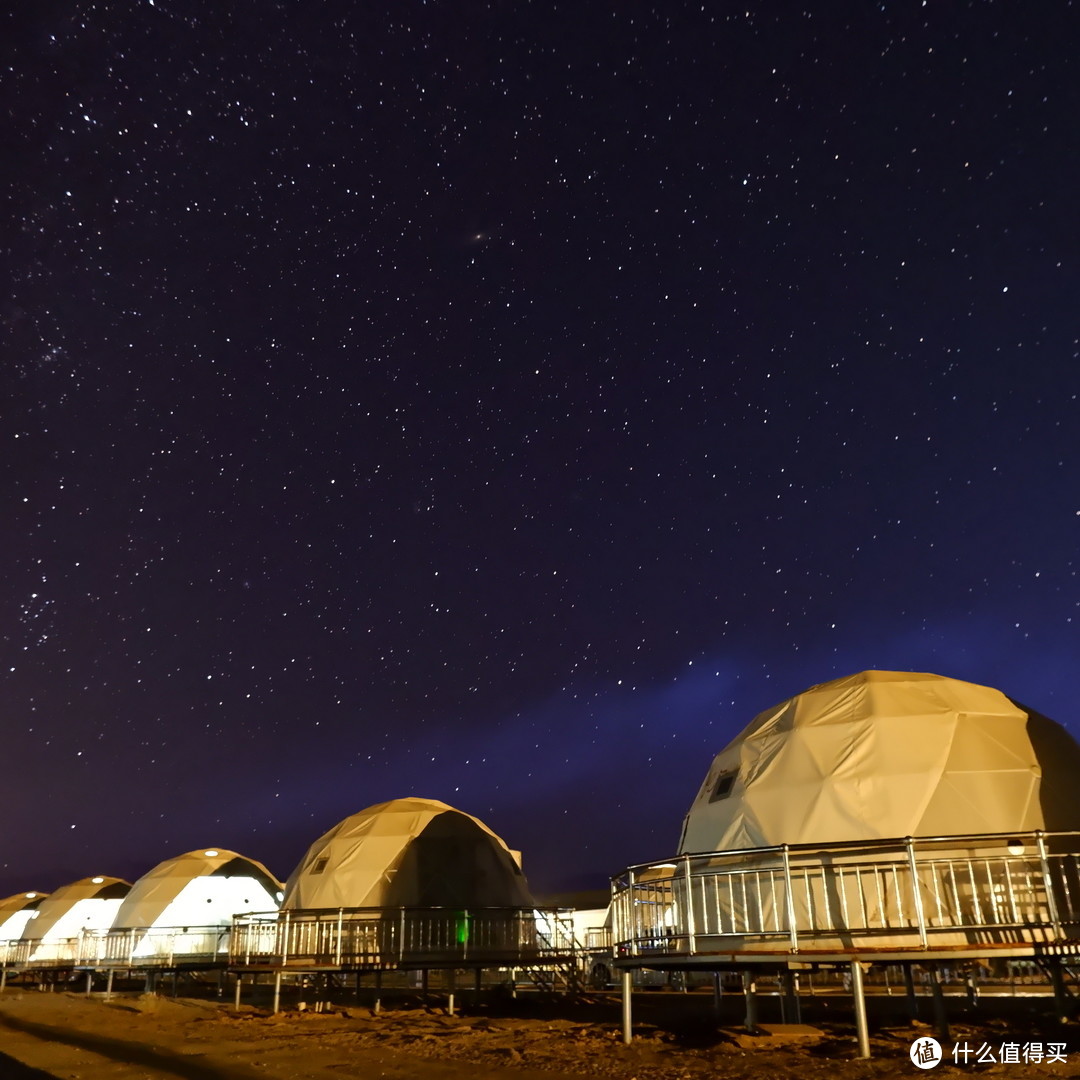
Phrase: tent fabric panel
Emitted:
{"points": [[368, 861], [884, 754]]}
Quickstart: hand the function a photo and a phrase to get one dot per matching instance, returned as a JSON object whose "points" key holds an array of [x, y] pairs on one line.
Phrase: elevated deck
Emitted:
{"points": [[341, 939], [898, 900], [370, 939]]}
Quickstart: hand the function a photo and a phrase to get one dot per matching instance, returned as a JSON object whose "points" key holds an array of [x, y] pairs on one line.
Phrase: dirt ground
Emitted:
{"points": [[67, 1036]]}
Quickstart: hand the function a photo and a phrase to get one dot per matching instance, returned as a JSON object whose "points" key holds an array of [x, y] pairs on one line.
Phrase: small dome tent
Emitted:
{"points": [[886, 754], [408, 853], [199, 888], [87, 904], [15, 913]]}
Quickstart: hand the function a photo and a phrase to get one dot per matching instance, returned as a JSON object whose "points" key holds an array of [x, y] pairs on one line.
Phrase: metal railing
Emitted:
{"points": [[120, 947], [395, 937], [926, 893]]}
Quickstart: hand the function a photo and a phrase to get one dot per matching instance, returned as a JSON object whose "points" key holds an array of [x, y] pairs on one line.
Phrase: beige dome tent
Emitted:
{"points": [[408, 853], [886, 754], [199, 888], [181, 906], [15, 913], [87, 904]]}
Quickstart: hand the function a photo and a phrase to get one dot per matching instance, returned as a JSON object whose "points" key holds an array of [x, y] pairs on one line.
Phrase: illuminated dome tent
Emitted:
{"points": [[16, 911], [886, 754], [199, 888], [87, 904], [408, 853]]}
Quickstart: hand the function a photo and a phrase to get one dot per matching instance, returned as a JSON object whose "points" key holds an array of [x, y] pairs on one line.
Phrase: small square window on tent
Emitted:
{"points": [[722, 788]]}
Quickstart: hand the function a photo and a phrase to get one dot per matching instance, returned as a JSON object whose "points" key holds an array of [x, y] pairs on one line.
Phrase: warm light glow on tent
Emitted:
{"points": [[408, 852], [887, 754]]}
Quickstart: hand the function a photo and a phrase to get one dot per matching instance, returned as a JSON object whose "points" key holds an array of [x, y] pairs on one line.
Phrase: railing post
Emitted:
{"points": [[1051, 900], [465, 931], [915, 891], [789, 899], [691, 930], [628, 912], [337, 944], [401, 937]]}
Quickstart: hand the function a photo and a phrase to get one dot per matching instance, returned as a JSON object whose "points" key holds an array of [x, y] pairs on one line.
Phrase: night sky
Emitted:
{"points": [[502, 403]]}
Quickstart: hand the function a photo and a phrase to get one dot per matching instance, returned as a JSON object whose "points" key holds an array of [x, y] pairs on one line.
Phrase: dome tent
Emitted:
{"points": [[886, 754], [199, 888], [87, 904], [16, 911], [408, 853]]}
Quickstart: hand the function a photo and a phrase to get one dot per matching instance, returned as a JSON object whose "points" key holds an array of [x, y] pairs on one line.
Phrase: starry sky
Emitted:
{"points": [[503, 402]]}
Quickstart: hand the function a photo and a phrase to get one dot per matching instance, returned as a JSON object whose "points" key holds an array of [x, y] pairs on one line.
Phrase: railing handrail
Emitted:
{"points": [[886, 890], [884, 843]]}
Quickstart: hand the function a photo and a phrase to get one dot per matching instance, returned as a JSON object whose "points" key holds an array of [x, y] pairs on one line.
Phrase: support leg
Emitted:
{"points": [[862, 1030], [941, 1017], [627, 1007], [452, 986], [1061, 995], [89, 982], [377, 1007], [909, 990], [792, 1004], [239, 987], [750, 993], [277, 992], [108, 985]]}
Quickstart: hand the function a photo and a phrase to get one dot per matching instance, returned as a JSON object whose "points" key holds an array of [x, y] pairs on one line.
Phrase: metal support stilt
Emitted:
{"points": [[627, 1007], [236, 996], [452, 980], [277, 992], [3, 977], [377, 1007], [862, 1029], [108, 985], [89, 982], [750, 993], [1061, 995], [941, 1017], [909, 989], [791, 1002]]}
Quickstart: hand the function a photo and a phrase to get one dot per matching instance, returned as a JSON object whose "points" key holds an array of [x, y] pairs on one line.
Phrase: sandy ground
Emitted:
{"points": [[66, 1036]]}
